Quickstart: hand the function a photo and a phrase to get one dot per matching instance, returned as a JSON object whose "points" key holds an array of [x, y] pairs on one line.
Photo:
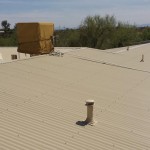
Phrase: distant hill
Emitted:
{"points": [[144, 25]]}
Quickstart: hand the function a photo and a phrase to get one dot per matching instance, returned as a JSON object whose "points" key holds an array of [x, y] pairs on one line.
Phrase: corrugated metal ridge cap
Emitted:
{"points": [[107, 63]]}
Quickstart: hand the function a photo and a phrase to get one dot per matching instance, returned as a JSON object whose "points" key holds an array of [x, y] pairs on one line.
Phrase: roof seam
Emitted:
{"points": [[110, 64]]}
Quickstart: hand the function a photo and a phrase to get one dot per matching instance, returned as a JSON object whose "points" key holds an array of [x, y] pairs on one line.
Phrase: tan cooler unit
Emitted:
{"points": [[35, 38]]}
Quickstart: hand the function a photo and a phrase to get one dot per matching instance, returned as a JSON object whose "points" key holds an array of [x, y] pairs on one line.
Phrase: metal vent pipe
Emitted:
{"points": [[90, 108]]}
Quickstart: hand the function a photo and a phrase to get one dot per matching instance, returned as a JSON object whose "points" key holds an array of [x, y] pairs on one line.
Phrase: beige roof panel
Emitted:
{"points": [[43, 97]]}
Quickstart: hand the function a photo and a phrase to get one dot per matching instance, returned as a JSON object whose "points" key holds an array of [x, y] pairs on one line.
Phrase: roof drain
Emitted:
{"points": [[90, 108]]}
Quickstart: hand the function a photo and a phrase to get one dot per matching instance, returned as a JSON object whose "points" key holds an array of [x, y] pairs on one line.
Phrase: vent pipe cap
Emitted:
{"points": [[89, 102]]}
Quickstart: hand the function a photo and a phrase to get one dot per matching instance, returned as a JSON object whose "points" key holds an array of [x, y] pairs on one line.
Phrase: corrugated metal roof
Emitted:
{"points": [[42, 98]]}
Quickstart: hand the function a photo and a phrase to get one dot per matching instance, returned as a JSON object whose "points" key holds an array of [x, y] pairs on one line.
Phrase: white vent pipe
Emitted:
{"points": [[90, 108]]}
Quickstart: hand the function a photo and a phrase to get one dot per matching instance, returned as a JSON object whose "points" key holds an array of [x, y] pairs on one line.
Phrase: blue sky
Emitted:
{"points": [[70, 13]]}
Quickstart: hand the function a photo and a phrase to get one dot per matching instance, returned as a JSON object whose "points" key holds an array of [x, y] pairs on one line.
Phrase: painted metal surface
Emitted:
{"points": [[42, 99]]}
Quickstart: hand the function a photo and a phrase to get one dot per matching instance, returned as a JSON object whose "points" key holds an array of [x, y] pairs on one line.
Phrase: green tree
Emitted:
{"points": [[145, 34], [96, 30], [9, 38], [68, 38], [5, 25], [125, 35]]}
